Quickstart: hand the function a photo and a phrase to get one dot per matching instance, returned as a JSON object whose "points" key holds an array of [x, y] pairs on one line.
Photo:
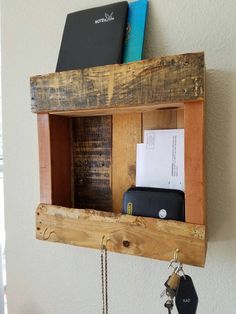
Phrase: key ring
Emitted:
{"points": [[176, 264]]}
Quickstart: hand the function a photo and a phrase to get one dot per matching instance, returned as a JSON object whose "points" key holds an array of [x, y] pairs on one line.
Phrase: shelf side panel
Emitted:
{"points": [[60, 134], [45, 171], [54, 159], [162, 80], [148, 237], [194, 163]]}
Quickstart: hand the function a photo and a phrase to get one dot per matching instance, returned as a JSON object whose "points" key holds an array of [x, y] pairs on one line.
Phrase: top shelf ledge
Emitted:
{"points": [[144, 85]]}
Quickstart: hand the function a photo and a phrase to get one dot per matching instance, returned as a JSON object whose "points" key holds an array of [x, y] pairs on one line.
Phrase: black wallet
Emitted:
{"points": [[154, 202]]}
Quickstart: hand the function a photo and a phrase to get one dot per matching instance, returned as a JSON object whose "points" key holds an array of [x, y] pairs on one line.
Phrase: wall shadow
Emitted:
{"points": [[220, 154]]}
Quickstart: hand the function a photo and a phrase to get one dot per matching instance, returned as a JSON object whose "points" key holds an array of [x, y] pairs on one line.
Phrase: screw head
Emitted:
{"points": [[162, 213]]}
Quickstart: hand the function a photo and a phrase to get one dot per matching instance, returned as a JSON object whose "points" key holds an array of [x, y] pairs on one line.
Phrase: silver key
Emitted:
{"points": [[169, 305]]}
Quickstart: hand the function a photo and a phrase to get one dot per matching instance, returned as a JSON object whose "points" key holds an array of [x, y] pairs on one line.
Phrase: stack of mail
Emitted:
{"points": [[160, 159]]}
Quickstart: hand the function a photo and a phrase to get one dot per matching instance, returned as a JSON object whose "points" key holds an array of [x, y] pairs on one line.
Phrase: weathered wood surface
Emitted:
{"points": [[45, 171], [149, 237], [180, 118], [91, 150], [54, 159], [160, 119], [170, 79], [126, 133], [194, 142]]}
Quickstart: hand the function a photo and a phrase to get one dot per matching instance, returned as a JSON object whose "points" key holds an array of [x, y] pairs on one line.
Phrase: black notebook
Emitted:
{"points": [[93, 37]]}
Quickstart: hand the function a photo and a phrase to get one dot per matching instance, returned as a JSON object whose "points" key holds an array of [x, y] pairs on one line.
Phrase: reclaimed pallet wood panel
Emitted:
{"points": [[148, 237], [89, 122], [160, 119], [194, 142], [45, 171], [91, 150], [161, 80], [180, 119], [126, 133], [54, 159]]}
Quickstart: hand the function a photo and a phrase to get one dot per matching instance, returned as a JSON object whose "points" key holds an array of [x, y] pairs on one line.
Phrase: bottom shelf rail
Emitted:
{"points": [[134, 235]]}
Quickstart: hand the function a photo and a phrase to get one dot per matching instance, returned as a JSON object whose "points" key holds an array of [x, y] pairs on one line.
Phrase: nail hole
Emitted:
{"points": [[38, 228], [126, 243]]}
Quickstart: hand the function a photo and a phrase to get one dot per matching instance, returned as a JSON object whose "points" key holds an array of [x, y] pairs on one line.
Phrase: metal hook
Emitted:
{"points": [[176, 254], [102, 243], [175, 260], [178, 266]]}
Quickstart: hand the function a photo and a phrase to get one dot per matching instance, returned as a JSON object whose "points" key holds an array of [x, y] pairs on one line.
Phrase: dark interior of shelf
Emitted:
{"points": [[91, 151]]}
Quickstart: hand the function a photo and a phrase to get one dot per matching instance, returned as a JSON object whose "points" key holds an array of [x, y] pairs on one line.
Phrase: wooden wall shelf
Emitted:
{"points": [[89, 122], [127, 234]]}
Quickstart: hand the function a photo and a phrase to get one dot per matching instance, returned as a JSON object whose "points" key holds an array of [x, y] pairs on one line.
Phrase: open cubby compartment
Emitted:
{"points": [[89, 123]]}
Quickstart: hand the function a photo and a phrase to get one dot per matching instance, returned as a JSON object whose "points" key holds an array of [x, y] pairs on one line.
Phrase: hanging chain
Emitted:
{"points": [[102, 276], [104, 279], [106, 285]]}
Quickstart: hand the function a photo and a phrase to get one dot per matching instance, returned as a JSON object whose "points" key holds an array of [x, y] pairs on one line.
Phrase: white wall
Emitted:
{"points": [[1, 284], [47, 278]]}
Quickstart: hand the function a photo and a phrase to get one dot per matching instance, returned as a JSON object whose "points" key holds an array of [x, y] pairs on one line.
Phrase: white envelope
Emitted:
{"points": [[160, 159]]}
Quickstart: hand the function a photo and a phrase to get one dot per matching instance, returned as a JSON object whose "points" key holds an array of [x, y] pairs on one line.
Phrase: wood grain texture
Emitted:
{"points": [[194, 163], [91, 150], [180, 119], [161, 80], [149, 237], [111, 111], [45, 171], [160, 119], [54, 159], [61, 168], [126, 133]]}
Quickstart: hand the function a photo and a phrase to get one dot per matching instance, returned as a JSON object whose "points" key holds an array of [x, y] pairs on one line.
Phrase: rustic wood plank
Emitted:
{"points": [[160, 119], [126, 133], [194, 163], [161, 80], [92, 162], [180, 118], [60, 134], [149, 237], [54, 159], [111, 111], [45, 171]]}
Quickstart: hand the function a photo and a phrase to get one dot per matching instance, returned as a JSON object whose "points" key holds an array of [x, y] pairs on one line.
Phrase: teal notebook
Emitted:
{"points": [[136, 22]]}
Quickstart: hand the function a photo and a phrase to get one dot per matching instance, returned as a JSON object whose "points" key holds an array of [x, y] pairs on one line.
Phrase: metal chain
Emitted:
{"points": [[106, 284], [104, 279], [102, 276]]}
